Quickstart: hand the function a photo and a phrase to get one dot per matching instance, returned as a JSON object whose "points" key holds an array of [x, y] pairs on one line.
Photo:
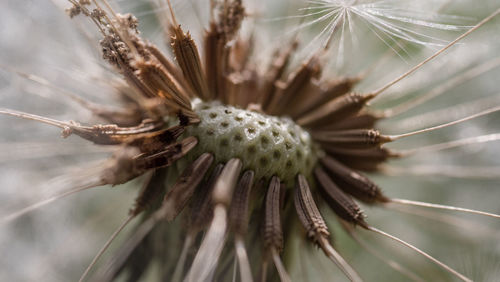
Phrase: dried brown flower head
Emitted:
{"points": [[245, 159]]}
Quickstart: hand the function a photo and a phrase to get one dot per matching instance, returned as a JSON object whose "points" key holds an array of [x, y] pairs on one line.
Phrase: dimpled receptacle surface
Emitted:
{"points": [[267, 145]]}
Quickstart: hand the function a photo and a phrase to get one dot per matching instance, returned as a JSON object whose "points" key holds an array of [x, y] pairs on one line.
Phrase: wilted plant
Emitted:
{"points": [[240, 161]]}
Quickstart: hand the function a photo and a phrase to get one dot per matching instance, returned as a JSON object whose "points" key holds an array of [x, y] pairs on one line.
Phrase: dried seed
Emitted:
{"points": [[238, 214], [295, 87], [131, 115], [215, 61], [354, 138], [338, 201], [122, 167], [188, 58], [335, 111], [217, 51], [162, 84], [275, 72], [151, 192], [352, 182], [308, 212], [109, 134], [273, 233], [202, 206], [170, 67], [333, 90], [363, 120], [135, 83], [361, 159], [177, 198], [166, 157], [151, 142]]}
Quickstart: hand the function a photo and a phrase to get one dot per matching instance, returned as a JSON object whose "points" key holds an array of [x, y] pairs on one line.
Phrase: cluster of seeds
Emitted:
{"points": [[270, 146]]}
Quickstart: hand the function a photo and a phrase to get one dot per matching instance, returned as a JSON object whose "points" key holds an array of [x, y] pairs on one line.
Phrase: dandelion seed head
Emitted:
{"points": [[203, 143]]}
